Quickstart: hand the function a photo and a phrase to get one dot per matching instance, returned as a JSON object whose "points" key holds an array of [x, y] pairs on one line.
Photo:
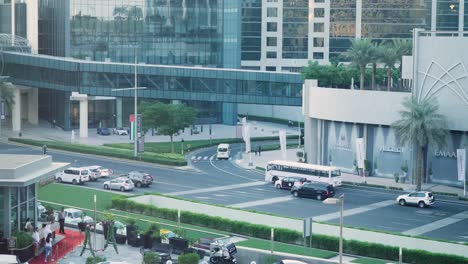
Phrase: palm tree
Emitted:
{"points": [[360, 54], [7, 93], [420, 124], [389, 57], [375, 57]]}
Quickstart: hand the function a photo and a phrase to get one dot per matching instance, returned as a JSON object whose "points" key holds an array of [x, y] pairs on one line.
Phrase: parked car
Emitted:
{"points": [[289, 182], [73, 175], [74, 216], [103, 131], [121, 183], [98, 172], [120, 131], [140, 179], [317, 190], [421, 199]]}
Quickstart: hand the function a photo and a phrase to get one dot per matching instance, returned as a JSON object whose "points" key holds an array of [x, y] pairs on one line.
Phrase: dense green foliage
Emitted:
{"points": [[23, 239], [151, 258], [191, 258], [7, 93], [160, 158], [95, 259]]}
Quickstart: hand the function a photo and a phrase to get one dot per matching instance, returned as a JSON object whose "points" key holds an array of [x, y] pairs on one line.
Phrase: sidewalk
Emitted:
{"points": [[261, 161]]}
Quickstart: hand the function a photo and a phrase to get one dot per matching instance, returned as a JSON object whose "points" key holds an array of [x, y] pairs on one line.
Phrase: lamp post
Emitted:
{"points": [[135, 95], [340, 201]]}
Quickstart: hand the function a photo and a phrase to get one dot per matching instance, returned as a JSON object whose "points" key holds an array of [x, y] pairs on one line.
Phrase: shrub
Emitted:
{"points": [[95, 259], [191, 258], [23, 239], [151, 258]]}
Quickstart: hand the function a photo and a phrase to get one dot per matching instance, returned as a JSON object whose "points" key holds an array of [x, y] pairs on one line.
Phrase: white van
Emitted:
{"points": [[223, 151], [73, 175]]}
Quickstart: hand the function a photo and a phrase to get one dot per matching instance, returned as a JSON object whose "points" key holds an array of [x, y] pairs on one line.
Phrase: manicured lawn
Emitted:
{"points": [[286, 248], [370, 261], [76, 196]]}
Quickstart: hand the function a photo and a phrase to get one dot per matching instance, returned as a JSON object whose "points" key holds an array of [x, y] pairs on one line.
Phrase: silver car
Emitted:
{"points": [[122, 183]]}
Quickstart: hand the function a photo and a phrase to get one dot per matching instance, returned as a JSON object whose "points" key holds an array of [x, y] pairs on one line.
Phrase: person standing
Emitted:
{"points": [[259, 150], [36, 240], [53, 123], [28, 226], [48, 248], [61, 219]]}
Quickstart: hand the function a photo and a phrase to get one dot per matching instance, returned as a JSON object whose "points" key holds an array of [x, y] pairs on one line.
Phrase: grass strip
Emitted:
{"points": [[287, 248], [369, 261]]}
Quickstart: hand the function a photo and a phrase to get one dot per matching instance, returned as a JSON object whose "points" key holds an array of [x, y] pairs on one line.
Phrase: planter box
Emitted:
{"points": [[24, 254], [179, 244], [120, 239]]}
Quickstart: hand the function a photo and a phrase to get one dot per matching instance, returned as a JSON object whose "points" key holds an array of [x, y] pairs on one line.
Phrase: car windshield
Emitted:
{"points": [[128, 182], [76, 214], [222, 149], [84, 172]]}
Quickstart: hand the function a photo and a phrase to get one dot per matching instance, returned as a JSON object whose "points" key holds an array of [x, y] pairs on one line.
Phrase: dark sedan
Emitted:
{"points": [[317, 190], [104, 131]]}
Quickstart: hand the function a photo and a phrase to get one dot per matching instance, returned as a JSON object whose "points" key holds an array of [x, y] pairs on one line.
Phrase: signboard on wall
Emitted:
{"points": [[360, 152], [461, 163]]}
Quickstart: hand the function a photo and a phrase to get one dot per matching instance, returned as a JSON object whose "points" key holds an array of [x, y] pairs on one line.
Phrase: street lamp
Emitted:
{"points": [[340, 201], [135, 88]]}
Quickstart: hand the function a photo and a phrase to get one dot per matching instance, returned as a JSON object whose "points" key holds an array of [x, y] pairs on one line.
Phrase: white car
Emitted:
{"points": [[421, 199], [120, 131], [73, 175], [121, 183], [96, 172], [74, 216]]}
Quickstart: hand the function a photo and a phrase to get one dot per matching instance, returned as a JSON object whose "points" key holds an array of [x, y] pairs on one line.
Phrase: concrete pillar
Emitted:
{"points": [[84, 117], [33, 106], [16, 112], [118, 110], [229, 113]]}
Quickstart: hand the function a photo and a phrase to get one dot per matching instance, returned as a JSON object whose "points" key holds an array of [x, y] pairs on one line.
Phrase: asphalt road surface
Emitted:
{"points": [[223, 182]]}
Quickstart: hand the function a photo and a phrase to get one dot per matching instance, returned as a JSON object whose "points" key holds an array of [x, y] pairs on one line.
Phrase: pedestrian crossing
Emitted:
{"points": [[206, 158]]}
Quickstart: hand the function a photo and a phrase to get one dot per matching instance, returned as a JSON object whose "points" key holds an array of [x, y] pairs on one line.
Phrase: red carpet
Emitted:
{"points": [[71, 240]]}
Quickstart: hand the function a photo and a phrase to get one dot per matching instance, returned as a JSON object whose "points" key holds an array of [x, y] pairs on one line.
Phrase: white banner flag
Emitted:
{"points": [[247, 138], [282, 138], [360, 152], [244, 127], [461, 163]]}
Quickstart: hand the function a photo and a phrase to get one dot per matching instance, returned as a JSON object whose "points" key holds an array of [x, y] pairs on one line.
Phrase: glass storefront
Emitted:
{"points": [[22, 207]]}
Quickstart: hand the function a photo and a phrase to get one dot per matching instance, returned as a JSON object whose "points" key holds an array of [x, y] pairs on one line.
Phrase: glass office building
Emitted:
{"points": [[171, 32]]}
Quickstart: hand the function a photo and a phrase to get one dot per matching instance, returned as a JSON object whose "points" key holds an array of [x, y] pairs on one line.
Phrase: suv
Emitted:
{"points": [[317, 190], [421, 199], [98, 172], [73, 175], [140, 179], [289, 182]]}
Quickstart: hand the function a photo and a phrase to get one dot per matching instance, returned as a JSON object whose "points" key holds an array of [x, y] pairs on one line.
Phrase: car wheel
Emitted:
{"points": [[402, 202], [295, 194], [278, 186], [421, 204], [138, 184], [274, 179], [122, 189], [74, 182], [106, 186], [319, 197], [59, 179]]}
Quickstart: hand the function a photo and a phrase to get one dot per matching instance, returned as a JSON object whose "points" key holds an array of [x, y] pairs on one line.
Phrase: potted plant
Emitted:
{"points": [[24, 249], [300, 155], [404, 169], [131, 230], [152, 236], [179, 242], [151, 258], [191, 258], [367, 167]]}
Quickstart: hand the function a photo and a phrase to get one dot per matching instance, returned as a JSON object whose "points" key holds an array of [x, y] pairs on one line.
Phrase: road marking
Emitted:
{"points": [[205, 158], [241, 192], [215, 189], [258, 189], [199, 157], [230, 158], [193, 157], [233, 174], [437, 224], [220, 195], [358, 210], [212, 157], [262, 202], [202, 197]]}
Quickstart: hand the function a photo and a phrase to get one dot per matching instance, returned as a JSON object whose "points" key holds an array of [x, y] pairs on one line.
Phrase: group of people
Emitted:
{"points": [[48, 235]]}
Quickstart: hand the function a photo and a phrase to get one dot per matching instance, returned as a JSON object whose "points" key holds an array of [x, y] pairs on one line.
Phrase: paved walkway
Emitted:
{"points": [[261, 161]]}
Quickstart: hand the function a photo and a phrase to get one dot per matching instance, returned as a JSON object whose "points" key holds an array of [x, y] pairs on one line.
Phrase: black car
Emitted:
{"points": [[104, 131], [317, 190], [289, 182]]}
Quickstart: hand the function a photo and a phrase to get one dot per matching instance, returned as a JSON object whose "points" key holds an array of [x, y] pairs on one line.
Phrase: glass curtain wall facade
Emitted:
{"points": [[295, 29], [251, 33], [380, 20], [447, 15], [20, 18], [173, 32]]}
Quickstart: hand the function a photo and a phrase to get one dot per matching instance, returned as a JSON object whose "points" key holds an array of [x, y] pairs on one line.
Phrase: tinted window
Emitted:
{"points": [[421, 195], [84, 172]]}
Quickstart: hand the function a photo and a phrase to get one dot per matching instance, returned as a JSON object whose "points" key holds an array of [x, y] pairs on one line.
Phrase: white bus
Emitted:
{"points": [[278, 169]]}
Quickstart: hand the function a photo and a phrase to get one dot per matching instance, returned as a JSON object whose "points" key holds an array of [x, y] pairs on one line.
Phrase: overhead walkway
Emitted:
{"points": [[162, 82]]}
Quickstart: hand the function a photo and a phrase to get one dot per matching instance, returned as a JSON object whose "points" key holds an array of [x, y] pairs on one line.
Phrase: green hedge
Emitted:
{"points": [[191, 258], [330, 243], [166, 159]]}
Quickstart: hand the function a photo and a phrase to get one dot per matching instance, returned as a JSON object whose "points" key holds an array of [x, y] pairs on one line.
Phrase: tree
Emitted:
{"points": [[167, 118], [404, 47], [389, 57], [7, 93], [360, 54], [375, 57], [120, 13], [420, 124]]}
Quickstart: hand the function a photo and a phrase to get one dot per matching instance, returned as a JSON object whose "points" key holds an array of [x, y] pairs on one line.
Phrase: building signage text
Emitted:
{"points": [[445, 154]]}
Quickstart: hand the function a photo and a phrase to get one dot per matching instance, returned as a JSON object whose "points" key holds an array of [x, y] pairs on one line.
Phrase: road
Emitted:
{"points": [[223, 182]]}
